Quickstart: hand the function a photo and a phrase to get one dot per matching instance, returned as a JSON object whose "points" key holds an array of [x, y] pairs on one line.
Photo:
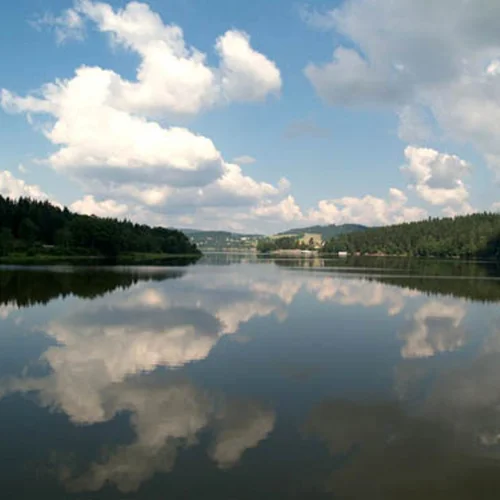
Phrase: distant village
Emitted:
{"points": [[302, 243]]}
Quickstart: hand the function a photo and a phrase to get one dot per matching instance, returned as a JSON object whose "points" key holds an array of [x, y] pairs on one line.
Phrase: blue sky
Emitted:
{"points": [[257, 115]]}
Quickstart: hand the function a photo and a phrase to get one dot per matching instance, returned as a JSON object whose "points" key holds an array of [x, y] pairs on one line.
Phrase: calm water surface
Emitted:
{"points": [[245, 380]]}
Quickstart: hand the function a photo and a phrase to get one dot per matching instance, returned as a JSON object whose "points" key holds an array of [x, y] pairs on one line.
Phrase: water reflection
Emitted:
{"points": [[166, 418], [343, 384], [384, 452], [30, 286], [436, 327]]}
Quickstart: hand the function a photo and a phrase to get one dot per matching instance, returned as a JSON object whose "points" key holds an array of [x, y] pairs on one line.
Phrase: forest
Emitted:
{"points": [[32, 227], [266, 245], [475, 236]]}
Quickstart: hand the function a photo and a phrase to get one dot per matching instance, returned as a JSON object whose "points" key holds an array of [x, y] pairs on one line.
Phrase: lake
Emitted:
{"points": [[239, 378]]}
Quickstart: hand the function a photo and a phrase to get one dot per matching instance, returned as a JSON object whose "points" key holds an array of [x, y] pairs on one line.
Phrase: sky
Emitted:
{"points": [[252, 116]]}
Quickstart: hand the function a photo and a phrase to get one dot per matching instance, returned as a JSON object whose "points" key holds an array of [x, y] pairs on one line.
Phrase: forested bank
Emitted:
{"points": [[469, 236], [33, 227]]}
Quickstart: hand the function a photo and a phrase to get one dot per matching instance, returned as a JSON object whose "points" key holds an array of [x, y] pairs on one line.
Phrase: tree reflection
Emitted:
{"points": [[27, 287]]}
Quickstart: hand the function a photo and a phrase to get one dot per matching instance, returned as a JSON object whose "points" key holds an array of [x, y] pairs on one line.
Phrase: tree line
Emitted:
{"points": [[38, 227], [266, 245], [469, 236]]}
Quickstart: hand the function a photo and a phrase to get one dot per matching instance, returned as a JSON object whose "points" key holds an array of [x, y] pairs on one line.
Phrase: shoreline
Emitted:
{"points": [[136, 258]]}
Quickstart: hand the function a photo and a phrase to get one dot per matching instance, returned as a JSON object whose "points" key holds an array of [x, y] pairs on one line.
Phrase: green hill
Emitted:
{"points": [[30, 227], [469, 236], [222, 240], [327, 232]]}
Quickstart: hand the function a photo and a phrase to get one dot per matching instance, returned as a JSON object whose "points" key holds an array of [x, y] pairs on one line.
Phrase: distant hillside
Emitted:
{"points": [[327, 232], [222, 240], [218, 234], [469, 236]]}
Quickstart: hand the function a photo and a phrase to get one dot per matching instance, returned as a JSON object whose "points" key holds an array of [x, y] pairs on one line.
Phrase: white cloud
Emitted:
{"points": [[437, 177], [104, 143], [286, 210], [108, 208], [247, 75], [350, 79], [368, 210], [173, 77], [438, 56], [15, 188], [496, 207], [454, 211], [244, 160], [105, 130], [68, 26]]}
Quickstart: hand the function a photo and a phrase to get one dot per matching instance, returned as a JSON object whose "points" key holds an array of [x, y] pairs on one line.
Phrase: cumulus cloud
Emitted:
{"points": [[103, 142], [437, 177], [286, 210], [89, 206], [12, 187], [173, 77], [368, 210], [400, 54], [247, 75], [104, 126]]}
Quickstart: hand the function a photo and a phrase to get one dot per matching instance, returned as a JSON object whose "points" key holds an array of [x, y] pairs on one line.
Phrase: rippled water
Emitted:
{"points": [[287, 379]]}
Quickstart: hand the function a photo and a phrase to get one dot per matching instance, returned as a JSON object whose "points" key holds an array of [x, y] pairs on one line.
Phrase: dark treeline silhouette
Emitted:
{"points": [[25, 287], [38, 227], [469, 236]]}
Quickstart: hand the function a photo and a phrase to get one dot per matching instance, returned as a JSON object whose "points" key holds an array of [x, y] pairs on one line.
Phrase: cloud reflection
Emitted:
{"points": [[167, 418], [436, 327], [360, 292], [382, 451], [170, 324], [107, 351]]}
